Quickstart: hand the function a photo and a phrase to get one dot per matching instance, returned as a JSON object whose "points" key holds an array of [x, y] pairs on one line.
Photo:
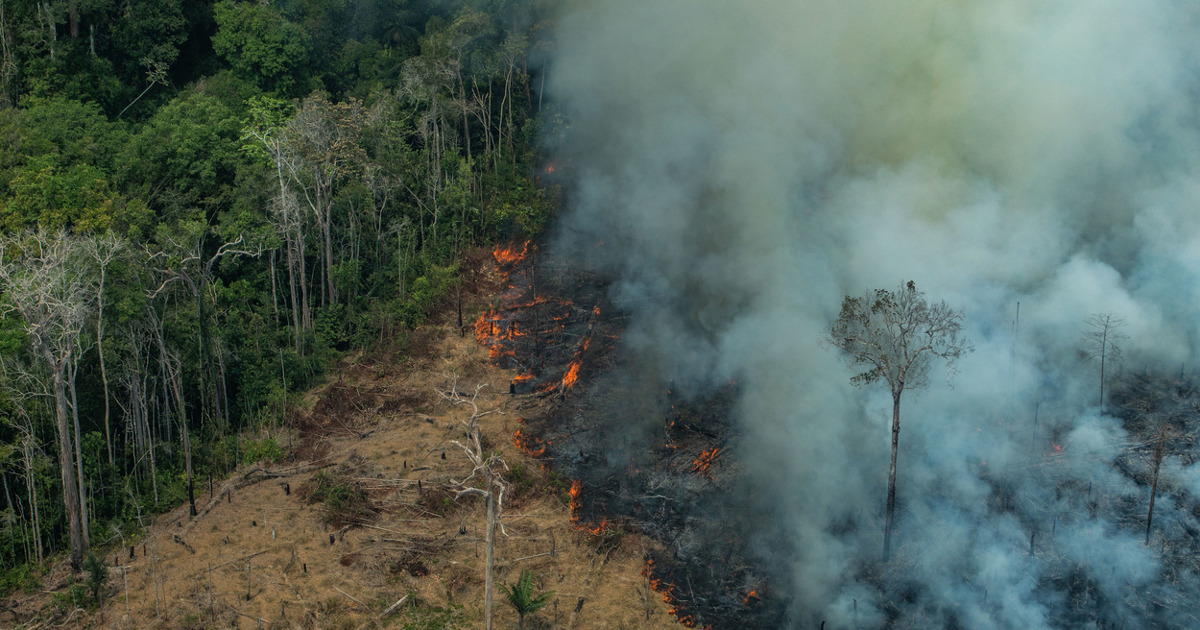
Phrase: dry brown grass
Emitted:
{"points": [[384, 429]]}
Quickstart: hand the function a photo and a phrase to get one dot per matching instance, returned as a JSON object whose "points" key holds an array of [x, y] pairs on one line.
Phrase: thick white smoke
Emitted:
{"points": [[749, 163]]}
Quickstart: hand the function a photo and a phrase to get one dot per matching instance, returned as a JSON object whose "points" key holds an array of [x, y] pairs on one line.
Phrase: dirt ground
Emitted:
{"points": [[378, 437]]}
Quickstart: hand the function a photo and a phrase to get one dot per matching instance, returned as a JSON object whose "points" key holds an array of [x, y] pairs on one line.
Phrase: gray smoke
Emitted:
{"points": [[746, 164]]}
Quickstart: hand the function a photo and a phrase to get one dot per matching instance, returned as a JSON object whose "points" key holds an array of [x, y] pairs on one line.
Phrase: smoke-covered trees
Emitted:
{"points": [[895, 336], [1101, 343]]}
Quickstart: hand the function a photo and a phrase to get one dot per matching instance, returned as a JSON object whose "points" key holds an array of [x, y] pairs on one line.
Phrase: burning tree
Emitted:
{"points": [[895, 336]]}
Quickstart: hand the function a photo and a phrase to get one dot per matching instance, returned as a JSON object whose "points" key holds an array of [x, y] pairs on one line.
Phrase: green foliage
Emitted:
{"points": [[265, 449], [150, 34], [76, 596], [345, 503], [76, 197], [133, 128], [97, 576], [426, 293], [261, 45], [422, 616], [23, 577], [522, 597]]}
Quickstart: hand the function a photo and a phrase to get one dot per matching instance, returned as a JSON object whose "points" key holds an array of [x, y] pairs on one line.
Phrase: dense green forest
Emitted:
{"points": [[203, 203]]}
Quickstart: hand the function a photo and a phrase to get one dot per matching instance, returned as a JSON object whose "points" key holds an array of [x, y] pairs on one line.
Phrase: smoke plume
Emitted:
{"points": [[747, 164]]}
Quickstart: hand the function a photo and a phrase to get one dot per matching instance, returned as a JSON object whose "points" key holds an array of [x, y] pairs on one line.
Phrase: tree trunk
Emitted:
{"points": [[83, 507], [490, 559], [103, 371], [891, 491], [70, 489], [1158, 453], [1103, 352]]}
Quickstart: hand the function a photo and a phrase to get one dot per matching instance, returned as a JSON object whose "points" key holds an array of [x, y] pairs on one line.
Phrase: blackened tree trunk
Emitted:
{"points": [[891, 491]]}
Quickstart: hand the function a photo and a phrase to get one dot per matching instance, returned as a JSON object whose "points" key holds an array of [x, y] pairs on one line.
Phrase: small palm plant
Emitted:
{"points": [[522, 599]]}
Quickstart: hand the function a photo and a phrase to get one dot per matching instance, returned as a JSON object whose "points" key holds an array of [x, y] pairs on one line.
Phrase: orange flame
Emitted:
{"points": [[703, 463], [572, 375], [1056, 448], [509, 256], [753, 594], [531, 445], [594, 529], [667, 590]]}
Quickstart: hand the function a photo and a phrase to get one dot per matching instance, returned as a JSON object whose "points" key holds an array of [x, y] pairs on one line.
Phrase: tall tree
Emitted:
{"points": [[104, 249], [1102, 342], [895, 337], [46, 282], [324, 137]]}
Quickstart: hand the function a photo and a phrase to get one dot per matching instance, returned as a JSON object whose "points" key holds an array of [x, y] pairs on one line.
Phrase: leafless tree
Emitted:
{"points": [[1101, 343], [104, 249], [895, 337], [46, 281], [486, 468]]}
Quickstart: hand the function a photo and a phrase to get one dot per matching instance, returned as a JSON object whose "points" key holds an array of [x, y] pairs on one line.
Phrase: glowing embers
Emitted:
{"points": [[703, 464], [532, 446], [595, 529], [667, 590]]}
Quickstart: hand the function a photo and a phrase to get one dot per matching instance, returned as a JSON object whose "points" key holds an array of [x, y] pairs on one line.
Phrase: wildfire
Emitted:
{"points": [[703, 463], [1056, 448], [576, 488], [508, 256], [531, 445], [572, 375], [594, 529], [752, 595], [667, 590]]}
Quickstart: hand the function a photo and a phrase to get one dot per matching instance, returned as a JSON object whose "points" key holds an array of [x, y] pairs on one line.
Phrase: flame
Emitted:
{"points": [[667, 590], [508, 256], [1056, 448], [594, 529], [572, 375], [532, 446], [703, 463], [753, 594]]}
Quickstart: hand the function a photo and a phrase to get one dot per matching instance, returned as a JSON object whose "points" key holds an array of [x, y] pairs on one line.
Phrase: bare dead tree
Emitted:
{"points": [[486, 468], [1102, 343], [1161, 440], [895, 336], [104, 249], [47, 283]]}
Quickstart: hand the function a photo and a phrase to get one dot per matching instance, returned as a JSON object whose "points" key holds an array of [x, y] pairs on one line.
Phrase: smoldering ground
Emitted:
{"points": [[749, 163]]}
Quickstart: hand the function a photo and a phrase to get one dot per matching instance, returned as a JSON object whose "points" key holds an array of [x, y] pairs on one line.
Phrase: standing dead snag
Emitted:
{"points": [[485, 469], [894, 335], [1101, 342]]}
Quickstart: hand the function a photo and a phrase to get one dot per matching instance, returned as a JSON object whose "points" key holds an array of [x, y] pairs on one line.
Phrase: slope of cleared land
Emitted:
{"points": [[361, 515]]}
